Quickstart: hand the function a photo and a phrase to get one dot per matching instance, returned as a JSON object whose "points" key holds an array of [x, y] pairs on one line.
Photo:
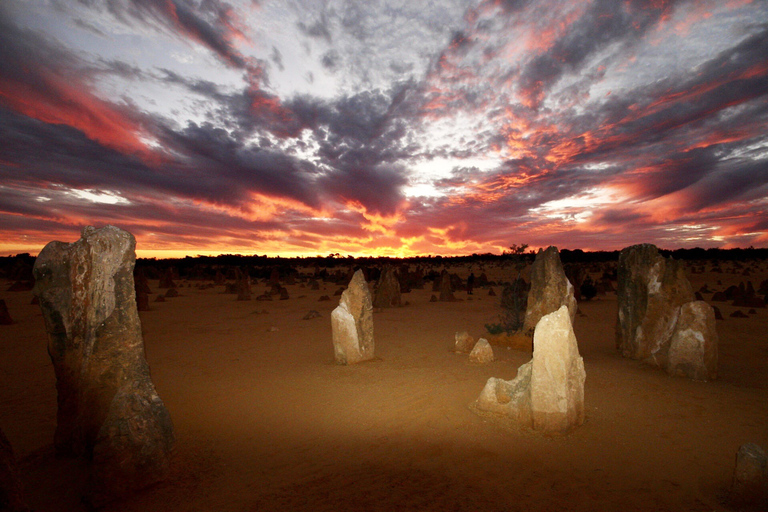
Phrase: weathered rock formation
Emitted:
{"points": [[388, 289], [548, 392], [166, 279], [108, 409], [482, 352], [243, 285], [352, 323], [750, 478], [659, 320], [446, 288], [693, 346], [11, 498], [550, 289]]}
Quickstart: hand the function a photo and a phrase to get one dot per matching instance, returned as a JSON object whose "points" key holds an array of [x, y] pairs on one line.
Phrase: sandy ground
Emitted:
{"points": [[266, 421]]}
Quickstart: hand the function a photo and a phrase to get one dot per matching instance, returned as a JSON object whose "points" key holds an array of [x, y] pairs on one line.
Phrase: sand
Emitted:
{"points": [[266, 421]]}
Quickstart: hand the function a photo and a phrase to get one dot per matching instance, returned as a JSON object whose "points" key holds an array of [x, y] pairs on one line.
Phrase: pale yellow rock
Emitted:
{"points": [[557, 376]]}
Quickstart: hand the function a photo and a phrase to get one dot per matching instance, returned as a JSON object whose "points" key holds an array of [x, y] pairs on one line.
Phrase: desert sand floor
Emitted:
{"points": [[266, 421]]}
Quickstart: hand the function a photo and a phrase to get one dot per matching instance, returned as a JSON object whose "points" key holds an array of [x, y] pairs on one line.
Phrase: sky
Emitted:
{"points": [[384, 128]]}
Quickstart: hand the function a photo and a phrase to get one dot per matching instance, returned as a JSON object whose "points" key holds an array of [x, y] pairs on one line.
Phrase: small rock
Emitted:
{"points": [[738, 314], [464, 342], [482, 353], [312, 314]]}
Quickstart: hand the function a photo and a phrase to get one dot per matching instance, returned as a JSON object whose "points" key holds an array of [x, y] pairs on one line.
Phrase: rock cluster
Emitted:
{"points": [[352, 323], [108, 409], [548, 392], [659, 321]]}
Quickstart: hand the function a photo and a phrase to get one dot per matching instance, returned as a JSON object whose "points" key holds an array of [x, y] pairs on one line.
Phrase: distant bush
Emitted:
{"points": [[494, 328]]}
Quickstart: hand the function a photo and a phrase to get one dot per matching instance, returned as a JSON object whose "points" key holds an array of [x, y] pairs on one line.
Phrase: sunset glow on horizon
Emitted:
{"points": [[302, 128]]}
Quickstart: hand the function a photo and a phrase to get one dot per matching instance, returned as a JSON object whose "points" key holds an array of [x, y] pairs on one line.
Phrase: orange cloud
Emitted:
{"points": [[72, 104]]}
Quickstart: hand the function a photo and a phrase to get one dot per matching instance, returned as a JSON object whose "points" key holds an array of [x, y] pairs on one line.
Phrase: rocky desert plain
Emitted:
{"points": [[265, 419]]}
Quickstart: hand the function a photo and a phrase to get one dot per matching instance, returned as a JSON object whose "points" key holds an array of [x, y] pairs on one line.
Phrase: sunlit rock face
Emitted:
{"points": [[548, 392], [388, 289], [108, 410], [352, 323], [509, 398], [651, 290], [550, 289], [693, 347]]}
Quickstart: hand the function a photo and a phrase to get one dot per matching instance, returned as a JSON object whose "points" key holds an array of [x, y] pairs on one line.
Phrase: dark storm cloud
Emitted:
{"points": [[212, 23], [330, 60], [277, 58], [514, 5], [60, 154], [692, 140], [202, 161], [361, 139], [213, 167], [686, 136], [320, 29], [605, 22]]}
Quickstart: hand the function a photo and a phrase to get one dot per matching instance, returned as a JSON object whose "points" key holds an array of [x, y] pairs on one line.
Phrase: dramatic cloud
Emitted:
{"points": [[459, 127]]}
